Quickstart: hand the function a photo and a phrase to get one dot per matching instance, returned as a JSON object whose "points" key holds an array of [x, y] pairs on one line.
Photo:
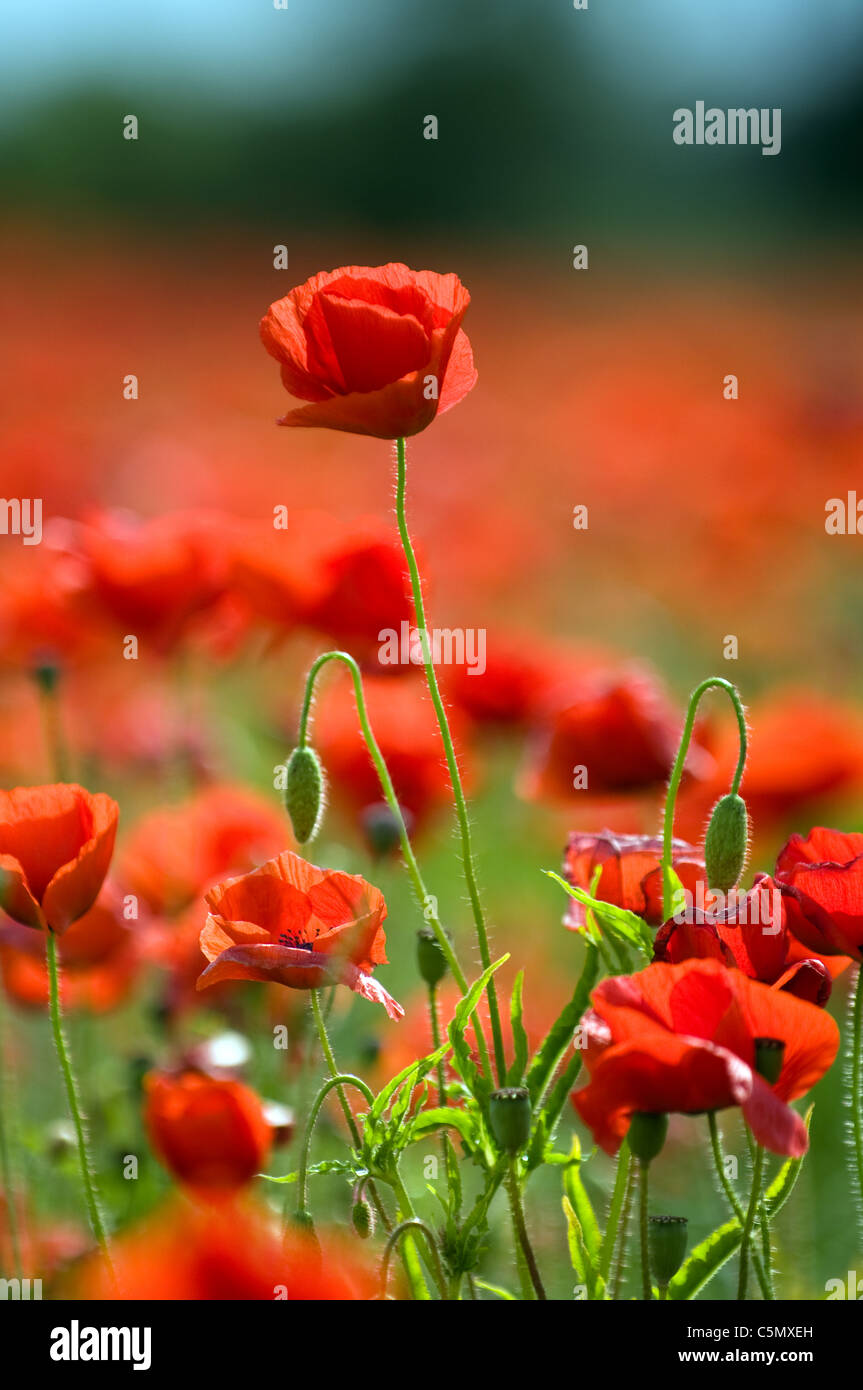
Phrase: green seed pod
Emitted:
{"points": [[304, 792], [382, 829], [646, 1135], [361, 1216], [666, 1237], [726, 841], [769, 1056], [509, 1118], [431, 960]]}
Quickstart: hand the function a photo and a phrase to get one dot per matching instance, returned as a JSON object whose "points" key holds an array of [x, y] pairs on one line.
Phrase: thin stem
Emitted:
{"points": [[436, 1042], [856, 1097], [754, 1199], [7, 1168], [403, 1228], [713, 682], [646, 1285], [61, 1045], [517, 1208], [409, 1250], [424, 898], [452, 762], [340, 1079], [620, 1263], [733, 1200], [621, 1182]]}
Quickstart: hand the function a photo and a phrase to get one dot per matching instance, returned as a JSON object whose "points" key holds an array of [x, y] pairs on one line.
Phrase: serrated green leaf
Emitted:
{"points": [[445, 1117], [478, 1085], [561, 1031], [329, 1165], [576, 1193], [515, 1074], [496, 1290], [580, 1258], [617, 921]]}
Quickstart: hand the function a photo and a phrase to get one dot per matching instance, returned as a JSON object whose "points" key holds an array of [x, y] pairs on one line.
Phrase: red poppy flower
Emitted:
{"points": [[630, 875], [377, 350], [748, 931], [99, 954], [821, 878], [154, 575], [175, 852], [682, 1038], [293, 924], [226, 1253], [617, 726], [405, 727], [211, 1133], [56, 844]]}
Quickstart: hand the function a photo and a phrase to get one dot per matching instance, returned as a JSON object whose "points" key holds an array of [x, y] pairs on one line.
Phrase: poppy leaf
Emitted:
{"points": [[576, 1194], [462, 1059], [560, 1034], [579, 1255], [705, 1261], [519, 1036], [329, 1165], [618, 921]]}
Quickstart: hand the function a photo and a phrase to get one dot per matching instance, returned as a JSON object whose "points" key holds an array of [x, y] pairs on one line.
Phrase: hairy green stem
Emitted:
{"points": [[339, 1080], [620, 1261], [733, 1200], [749, 1221], [8, 1171], [452, 762], [404, 1228], [517, 1208], [712, 682], [643, 1185], [856, 1079], [621, 1183]]}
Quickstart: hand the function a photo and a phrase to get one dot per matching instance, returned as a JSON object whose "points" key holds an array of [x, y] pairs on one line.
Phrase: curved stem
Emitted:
{"points": [[712, 682], [403, 1228], [424, 898], [452, 761], [90, 1195], [517, 1207], [856, 1079], [340, 1079], [749, 1221], [643, 1184], [734, 1201]]}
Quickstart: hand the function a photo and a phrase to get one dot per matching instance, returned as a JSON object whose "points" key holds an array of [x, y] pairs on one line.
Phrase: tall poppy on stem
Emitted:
{"points": [[56, 844]]}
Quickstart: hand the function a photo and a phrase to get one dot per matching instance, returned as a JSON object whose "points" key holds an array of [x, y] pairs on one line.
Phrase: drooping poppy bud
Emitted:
{"points": [[769, 1057], [431, 960], [726, 841], [509, 1117], [647, 1133], [304, 792], [362, 1218], [667, 1239]]}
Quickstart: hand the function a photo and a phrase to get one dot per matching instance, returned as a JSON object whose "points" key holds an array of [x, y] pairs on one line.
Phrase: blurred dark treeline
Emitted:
{"points": [[536, 139]]}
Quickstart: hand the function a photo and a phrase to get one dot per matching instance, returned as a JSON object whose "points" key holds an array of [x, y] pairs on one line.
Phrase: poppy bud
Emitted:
{"points": [[509, 1117], [381, 829], [667, 1241], [769, 1056], [431, 960], [725, 842], [304, 792], [646, 1135], [361, 1216]]}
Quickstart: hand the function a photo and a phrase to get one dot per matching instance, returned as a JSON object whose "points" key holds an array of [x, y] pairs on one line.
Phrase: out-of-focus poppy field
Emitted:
{"points": [[196, 936]]}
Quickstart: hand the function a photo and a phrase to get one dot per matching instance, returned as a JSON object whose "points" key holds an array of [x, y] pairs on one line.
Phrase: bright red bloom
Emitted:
{"points": [[230, 1252], [99, 954], [361, 343], [619, 727], [405, 727], [211, 1133], [175, 852], [56, 844], [748, 932], [293, 924], [821, 878], [682, 1038], [630, 876]]}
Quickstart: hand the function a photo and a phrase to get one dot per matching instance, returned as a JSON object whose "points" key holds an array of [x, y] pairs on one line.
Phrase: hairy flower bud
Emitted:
{"points": [[509, 1117], [304, 792], [725, 842], [362, 1218], [667, 1240], [431, 960]]}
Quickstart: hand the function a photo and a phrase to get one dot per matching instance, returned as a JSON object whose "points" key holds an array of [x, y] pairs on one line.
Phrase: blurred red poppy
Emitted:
{"points": [[175, 852], [748, 931], [153, 575], [404, 724], [682, 1038], [613, 730], [56, 844], [99, 953], [821, 879], [211, 1133], [293, 924], [231, 1252], [630, 873], [377, 350]]}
